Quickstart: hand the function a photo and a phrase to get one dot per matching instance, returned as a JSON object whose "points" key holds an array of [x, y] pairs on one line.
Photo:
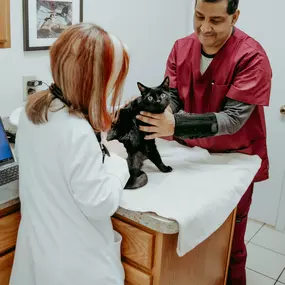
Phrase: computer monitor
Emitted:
{"points": [[6, 154]]}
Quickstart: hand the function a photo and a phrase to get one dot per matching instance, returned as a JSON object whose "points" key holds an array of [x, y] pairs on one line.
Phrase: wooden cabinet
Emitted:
{"points": [[137, 244], [8, 229], [5, 29], [6, 263], [134, 276], [150, 258], [9, 224]]}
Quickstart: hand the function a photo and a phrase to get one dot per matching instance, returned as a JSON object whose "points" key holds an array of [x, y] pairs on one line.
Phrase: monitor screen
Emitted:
{"points": [[6, 154]]}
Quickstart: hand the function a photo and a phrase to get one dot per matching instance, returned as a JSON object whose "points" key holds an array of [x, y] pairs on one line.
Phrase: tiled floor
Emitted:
{"points": [[266, 255]]}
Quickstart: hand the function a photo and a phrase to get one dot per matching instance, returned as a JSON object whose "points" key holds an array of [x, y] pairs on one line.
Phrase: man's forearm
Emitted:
{"points": [[190, 126], [233, 117], [227, 122]]}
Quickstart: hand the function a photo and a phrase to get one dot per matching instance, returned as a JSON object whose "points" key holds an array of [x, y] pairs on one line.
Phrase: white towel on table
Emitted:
{"points": [[200, 193]]}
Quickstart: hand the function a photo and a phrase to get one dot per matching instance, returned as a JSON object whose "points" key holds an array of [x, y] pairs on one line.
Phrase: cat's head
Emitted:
{"points": [[155, 99]]}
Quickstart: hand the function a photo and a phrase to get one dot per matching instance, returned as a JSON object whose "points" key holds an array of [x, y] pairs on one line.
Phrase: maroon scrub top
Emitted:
{"points": [[240, 71]]}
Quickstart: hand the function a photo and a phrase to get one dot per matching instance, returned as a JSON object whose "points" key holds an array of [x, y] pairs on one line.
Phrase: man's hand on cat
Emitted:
{"points": [[162, 125]]}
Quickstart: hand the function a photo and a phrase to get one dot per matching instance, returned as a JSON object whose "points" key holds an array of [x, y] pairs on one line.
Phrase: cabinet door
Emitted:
{"points": [[137, 245], [6, 263], [134, 276], [8, 231], [5, 31]]}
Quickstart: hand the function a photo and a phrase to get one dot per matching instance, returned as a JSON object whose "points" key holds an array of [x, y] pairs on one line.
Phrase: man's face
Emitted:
{"points": [[212, 23]]}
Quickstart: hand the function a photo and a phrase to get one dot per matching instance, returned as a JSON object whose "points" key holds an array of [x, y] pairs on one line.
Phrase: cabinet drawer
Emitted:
{"points": [[136, 277], [137, 245], [6, 263], [8, 231]]}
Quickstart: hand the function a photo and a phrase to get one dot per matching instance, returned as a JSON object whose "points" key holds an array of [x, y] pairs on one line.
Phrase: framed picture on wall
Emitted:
{"points": [[45, 20]]}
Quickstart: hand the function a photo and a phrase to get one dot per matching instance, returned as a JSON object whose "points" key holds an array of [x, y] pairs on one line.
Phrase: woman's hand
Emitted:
{"points": [[162, 125]]}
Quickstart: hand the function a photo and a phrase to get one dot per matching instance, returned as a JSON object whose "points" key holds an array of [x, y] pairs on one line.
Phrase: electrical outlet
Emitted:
{"points": [[26, 87]]}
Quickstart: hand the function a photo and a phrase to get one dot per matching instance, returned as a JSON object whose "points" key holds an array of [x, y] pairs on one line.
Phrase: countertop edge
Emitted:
{"points": [[151, 221], [147, 219], [9, 203]]}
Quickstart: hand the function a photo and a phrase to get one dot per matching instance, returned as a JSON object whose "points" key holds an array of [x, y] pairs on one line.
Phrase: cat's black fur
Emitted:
{"points": [[126, 130]]}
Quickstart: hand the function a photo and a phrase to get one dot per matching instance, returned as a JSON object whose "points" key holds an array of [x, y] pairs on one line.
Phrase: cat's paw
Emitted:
{"points": [[136, 182], [165, 169]]}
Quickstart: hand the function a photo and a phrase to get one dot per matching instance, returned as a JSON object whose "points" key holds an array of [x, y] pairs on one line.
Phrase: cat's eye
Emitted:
{"points": [[149, 98], [163, 95]]}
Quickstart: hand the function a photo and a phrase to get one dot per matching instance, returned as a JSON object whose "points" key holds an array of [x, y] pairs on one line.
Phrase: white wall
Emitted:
{"points": [[264, 23], [148, 27], [14, 63]]}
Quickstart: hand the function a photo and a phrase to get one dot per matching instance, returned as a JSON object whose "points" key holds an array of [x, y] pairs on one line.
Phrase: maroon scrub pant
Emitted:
{"points": [[237, 274]]}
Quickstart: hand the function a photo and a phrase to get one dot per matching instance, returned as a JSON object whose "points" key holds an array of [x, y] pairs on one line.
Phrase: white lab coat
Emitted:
{"points": [[67, 199]]}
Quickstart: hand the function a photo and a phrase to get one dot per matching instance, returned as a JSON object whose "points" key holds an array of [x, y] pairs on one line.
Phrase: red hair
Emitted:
{"points": [[82, 63]]}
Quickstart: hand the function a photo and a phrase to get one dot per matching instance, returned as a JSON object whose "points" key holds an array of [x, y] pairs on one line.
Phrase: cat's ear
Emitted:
{"points": [[143, 89], [165, 84]]}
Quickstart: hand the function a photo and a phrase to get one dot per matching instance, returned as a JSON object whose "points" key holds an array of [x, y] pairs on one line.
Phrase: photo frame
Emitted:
{"points": [[45, 20]]}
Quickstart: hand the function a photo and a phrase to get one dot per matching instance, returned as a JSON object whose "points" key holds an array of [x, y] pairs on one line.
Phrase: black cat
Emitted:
{"points": [[126, 130]]}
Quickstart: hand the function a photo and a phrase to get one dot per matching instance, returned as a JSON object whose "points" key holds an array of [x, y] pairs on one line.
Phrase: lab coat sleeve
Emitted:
{"points": [[16, 151], [96, 187], [252, 82]]}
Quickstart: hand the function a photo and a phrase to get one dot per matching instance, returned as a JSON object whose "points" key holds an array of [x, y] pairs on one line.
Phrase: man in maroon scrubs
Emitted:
{"points": [[221, 78]]}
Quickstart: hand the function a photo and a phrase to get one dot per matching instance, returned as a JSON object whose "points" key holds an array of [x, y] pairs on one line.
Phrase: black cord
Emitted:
{"points": [[57, 93]]}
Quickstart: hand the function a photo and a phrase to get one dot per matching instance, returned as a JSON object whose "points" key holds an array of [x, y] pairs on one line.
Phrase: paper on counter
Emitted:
{"points": [[200, 193]]}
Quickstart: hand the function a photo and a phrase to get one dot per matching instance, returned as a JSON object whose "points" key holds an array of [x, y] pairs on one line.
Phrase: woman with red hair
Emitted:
{"points": [[68, 188]]}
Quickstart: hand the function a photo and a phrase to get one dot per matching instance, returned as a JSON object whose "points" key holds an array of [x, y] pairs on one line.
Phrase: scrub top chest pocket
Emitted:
{"points": [[218, 92]]}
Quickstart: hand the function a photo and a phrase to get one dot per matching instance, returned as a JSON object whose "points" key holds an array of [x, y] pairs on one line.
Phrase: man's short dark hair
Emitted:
{"points": [[232, 5]]}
